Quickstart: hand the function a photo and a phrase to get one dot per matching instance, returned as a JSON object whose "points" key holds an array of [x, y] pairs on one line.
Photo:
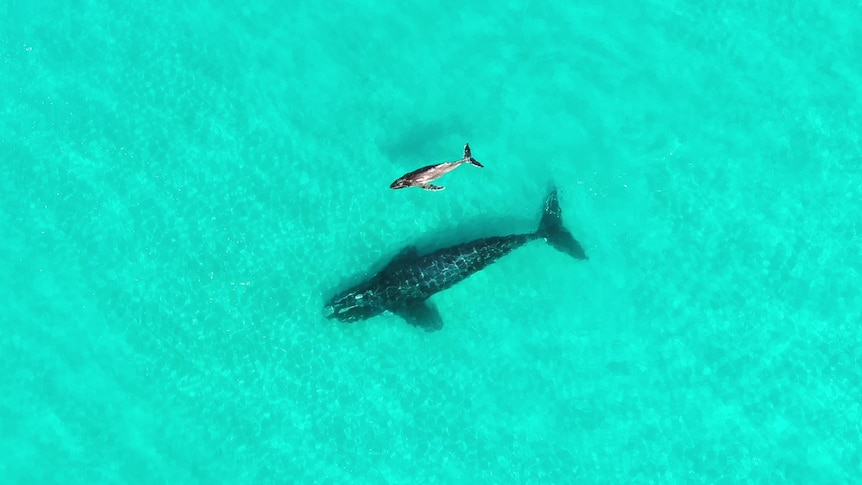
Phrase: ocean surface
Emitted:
{"points": [[184, 184]]}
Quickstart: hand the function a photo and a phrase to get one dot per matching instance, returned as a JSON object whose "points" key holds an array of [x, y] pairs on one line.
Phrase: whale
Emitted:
{"points": [[405, 284], [421, 177]]}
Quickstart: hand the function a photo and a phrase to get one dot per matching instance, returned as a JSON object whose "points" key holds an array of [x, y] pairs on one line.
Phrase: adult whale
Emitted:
{"points": [[409, 279]]}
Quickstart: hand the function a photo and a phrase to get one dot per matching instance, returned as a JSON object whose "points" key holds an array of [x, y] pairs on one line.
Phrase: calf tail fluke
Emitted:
{"points": [[468, 157]]}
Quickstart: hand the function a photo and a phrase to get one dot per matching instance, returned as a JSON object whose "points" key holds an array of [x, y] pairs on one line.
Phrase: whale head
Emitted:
{"points": [[355, 304], [401, 183]]}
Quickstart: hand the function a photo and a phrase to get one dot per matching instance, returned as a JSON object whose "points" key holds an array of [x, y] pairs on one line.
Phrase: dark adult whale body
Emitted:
{"points": [[409, 279], [421, 177]]}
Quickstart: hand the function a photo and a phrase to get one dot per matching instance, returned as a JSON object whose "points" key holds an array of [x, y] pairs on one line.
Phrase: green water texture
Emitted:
{"points": [[184, 184]]}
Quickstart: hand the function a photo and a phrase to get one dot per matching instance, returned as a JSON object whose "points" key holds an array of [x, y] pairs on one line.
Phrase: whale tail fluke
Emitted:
{"points": [[468, 157], [552, 230]]}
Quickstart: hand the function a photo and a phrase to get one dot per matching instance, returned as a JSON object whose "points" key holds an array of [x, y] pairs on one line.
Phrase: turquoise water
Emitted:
{"points": [[184, 185]]}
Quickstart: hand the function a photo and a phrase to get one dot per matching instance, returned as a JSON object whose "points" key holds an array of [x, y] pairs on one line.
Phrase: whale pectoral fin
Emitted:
{"points": [[422, 315], [433, 188], [406, 254]]}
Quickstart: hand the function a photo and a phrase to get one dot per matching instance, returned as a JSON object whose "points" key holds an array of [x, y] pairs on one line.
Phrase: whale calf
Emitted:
{"points": [[409, 279], [422, 177]]}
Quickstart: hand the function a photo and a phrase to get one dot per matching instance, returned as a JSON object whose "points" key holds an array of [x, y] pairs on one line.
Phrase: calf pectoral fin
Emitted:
{"points": [[431, 187], [422, 315]]}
